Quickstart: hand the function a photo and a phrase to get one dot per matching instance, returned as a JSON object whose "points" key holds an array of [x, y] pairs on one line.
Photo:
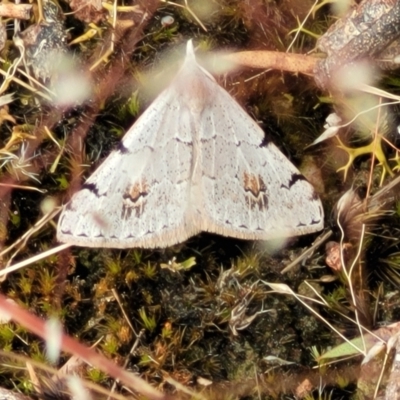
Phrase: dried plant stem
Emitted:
{"points": [[21, 242], [70, 345], [25, 85], [273, 59], [34, 259]]}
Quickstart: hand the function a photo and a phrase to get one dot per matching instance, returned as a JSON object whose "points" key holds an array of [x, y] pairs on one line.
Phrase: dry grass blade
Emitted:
{"points": [[34, 259], [21, 242]]}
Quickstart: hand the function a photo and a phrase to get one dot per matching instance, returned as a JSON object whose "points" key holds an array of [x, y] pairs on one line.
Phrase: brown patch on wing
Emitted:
{"points": [[256, 191], [134, 199]]}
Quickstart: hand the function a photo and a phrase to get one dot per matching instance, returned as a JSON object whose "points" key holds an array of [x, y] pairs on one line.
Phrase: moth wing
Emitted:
{"points": [[138, 196], [250, 189]]}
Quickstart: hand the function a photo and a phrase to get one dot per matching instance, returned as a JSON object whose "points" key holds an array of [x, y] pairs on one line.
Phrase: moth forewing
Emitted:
{"points": [[251, 190], [128, 202], [194, 161]]}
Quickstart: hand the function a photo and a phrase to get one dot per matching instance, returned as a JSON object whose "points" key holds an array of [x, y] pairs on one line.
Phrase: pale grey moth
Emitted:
{"points": [[194, 161]]}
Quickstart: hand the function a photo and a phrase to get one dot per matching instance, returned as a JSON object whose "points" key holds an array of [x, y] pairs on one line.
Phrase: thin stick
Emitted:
{"points": [[301, 26], [23, 187], [34, 259], [37, 326], [318, 242]]}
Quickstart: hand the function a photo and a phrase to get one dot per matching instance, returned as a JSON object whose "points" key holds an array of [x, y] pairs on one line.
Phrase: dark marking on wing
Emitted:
{"points": [[135, 192], [177, 139], [92, 187], [318, 221], [83, 235], [265, 142], [68, 206], [314, 195], [122, 149], [255, 191], [134, 199], [294, 178]]}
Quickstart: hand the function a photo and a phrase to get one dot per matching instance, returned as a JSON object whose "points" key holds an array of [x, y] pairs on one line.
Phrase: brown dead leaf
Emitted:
{"points": [[88, 10]]}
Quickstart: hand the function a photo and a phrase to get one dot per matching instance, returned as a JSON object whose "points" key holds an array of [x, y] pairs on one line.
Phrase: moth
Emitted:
{"points": [[193, 161]]}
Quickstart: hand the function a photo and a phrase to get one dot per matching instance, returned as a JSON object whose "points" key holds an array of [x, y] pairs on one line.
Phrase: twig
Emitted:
{"points": [[34, 259]]}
